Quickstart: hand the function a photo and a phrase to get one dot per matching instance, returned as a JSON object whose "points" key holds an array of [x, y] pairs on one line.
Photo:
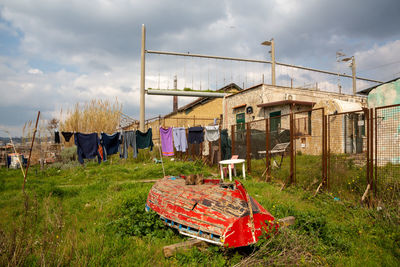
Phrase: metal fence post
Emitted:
{"points": [[376, 153], [371, 155], [291, 175], [248, 146], [233, 139], [267, 170], [367, 119]]}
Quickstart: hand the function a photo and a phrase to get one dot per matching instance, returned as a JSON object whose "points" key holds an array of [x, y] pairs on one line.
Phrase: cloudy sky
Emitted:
{"points": [[57, 53]]}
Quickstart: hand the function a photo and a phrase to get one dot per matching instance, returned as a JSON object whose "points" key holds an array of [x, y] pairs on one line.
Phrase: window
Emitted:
{"points": [[275, 123], [240, 121]]}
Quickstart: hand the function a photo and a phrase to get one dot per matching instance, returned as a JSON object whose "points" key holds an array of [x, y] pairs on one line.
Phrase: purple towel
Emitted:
{"points": [[166, 141]]}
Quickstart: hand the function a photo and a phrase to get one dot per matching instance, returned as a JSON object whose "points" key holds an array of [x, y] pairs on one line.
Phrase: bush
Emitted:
{"points": [[132, 219], [69, 154]]}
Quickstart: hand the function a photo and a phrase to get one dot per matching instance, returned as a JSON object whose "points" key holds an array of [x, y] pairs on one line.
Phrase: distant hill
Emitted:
{"points": [[6, 140]]}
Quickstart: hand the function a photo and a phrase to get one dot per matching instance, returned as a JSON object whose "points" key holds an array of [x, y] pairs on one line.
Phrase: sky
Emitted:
{"points": [[54, 54]]}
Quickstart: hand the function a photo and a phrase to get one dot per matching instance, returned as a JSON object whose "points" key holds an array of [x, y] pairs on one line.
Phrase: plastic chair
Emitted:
{"points": [[232, 166]]}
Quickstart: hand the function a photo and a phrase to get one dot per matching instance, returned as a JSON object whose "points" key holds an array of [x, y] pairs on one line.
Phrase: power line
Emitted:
{"points": [[380, 66]]}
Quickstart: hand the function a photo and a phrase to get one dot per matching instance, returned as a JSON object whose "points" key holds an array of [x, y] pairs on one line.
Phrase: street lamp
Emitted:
{"points": [[339, 58], [272, 44]]}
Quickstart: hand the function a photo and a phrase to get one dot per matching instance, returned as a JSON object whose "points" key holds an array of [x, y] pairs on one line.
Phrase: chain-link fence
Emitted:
{"points": [[348, 154], [353, 155], [309, 148], [387, 153]]}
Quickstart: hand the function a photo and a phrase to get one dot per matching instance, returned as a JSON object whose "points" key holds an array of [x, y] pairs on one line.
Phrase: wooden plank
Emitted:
{"points": [[287, 221], [183, 246]]}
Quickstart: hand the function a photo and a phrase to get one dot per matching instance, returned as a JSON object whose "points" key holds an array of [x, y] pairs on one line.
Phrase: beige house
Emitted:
{"points": [[202, 111], [267, 101]]}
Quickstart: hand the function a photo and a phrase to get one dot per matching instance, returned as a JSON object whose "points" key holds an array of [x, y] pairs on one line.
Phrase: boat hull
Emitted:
{"points": [[215, 212]]}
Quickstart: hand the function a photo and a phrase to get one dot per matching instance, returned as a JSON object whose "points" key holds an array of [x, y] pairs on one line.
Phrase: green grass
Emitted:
{"points": [[94, 215]]}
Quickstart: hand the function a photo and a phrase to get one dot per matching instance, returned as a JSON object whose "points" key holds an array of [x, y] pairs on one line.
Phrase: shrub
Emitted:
{"points": [[132, 219], [69, 154]]}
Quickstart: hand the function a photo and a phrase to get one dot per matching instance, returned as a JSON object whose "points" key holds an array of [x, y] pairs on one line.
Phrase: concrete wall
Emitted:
{"points": [[384, 95], [388, 121], [308, 144], [268, 93], [201, 114]]}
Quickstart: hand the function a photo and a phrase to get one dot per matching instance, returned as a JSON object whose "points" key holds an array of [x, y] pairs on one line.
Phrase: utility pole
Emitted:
{"points": [[175, 98], [142, 80], [353, 72], [273, 62], [272, 44]]}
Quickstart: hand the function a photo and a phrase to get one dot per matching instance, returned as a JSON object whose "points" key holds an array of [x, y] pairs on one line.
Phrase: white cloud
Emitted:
{"points": [[92, 48], [35, 71]]}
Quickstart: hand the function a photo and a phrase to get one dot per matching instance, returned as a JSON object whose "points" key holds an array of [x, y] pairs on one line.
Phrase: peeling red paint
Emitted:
{"points": [[210, 209]]}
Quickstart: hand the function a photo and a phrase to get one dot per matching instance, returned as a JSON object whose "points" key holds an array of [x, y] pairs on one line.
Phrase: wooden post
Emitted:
{"points": [[183, 246]]}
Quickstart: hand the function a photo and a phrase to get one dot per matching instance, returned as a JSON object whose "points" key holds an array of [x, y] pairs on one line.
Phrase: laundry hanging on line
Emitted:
{"points": [[180, 142], [110, 144], [67, 135], [167, 146], [212, 133], [57, 137], [87, 146], [144, 140], [195, 135], [226, 147], [129, 140]]}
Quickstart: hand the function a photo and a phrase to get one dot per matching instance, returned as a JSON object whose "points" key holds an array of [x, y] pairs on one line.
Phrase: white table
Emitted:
{"points": [[229, 162]]}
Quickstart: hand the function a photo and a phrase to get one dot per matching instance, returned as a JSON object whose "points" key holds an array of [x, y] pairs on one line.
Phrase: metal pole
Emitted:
{"points": [[175, 97], [267, 133], [142, 79], [353, 72], [248, 146], [233, 139], [273, 82], [291, 180]]}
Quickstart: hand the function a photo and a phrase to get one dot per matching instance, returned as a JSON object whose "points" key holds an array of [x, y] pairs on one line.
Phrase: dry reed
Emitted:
{"points": [[94, 116]]}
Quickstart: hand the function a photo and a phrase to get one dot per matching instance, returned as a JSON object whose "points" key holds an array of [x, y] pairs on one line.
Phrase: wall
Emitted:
{"points": [[308, 144], [384, 95], [200, 114], [268, 93], [388, 121]]}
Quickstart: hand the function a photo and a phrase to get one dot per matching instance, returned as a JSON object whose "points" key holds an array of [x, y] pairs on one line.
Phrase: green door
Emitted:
{"points": [[240, 120], [275, 123]]}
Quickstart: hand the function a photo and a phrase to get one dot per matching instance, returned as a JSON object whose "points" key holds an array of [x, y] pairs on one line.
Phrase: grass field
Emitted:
{"points": [[94, 215]]}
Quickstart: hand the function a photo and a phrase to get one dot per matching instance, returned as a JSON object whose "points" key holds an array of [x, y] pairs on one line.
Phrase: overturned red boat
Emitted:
{"points": [[215, 212]]}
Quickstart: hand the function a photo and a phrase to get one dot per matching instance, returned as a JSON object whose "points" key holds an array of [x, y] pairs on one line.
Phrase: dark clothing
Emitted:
{"points": [[196, 135], [110, 144], [144, 140], [57, 137], [87, 146], [67, 135], [226, 145], [129, 138]]}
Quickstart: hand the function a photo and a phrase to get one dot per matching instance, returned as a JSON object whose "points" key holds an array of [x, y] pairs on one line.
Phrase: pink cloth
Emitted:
{"points": [[166, 141]]}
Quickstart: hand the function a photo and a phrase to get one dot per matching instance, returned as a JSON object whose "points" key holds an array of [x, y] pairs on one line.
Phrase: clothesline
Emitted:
{"points": [[90, 145]]}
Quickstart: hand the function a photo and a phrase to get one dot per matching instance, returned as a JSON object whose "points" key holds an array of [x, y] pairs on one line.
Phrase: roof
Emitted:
{"points": [[239, 106], [366, 91], [201, 100], [286, 102], [346, 106], [247, 89]]}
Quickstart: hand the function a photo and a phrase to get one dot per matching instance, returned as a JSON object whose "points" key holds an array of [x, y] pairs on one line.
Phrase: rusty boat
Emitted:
{"points": [[216, 212]]}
